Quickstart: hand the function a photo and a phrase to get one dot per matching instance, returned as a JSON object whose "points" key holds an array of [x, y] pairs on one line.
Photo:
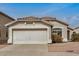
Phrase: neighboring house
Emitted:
{"points": [[76, 30], [33, 30], [4, 19]]}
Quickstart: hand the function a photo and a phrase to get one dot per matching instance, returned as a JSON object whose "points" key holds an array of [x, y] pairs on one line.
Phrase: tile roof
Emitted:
{"points": [[6, 15], [32, 18], [53, 19]]}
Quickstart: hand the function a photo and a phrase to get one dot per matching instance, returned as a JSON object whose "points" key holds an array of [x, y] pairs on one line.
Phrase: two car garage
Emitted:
{"points": [[23, 33], [29, 36]]}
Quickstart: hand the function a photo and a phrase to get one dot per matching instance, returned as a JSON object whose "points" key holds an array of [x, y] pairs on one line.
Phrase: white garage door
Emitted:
{"points": [[29, 36]]}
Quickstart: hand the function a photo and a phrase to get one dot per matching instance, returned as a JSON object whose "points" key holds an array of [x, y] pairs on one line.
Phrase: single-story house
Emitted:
{"points": [[33, 30]]}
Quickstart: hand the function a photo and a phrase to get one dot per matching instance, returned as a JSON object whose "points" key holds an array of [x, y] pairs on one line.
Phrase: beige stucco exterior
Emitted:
{"points": [[22, 25], [56, 24], [70, 33]]}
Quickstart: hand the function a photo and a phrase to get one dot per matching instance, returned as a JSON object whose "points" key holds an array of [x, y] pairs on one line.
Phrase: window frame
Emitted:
{"points": [[57, 31]]}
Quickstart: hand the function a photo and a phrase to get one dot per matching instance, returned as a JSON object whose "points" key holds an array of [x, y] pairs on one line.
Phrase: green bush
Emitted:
{"points": [[75, 37], [56, 38]]}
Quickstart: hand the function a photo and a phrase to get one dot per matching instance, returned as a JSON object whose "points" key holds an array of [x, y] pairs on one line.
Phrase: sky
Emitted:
{"points": [[67, 12]]}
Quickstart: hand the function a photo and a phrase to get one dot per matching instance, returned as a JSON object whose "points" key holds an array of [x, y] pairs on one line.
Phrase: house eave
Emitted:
{"points": [[45, 22]]}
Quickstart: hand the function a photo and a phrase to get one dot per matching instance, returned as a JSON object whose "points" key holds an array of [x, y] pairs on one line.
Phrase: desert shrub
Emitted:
{"points": [[75, 37], [56, 38]]}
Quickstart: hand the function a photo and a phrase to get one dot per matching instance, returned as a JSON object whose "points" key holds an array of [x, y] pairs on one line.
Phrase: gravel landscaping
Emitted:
{"points": [[3, 46], [64, 47]]}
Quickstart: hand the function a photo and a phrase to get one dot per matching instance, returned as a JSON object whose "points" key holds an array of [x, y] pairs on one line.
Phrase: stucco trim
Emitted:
{"points": [[28, 29], [13, 22]]}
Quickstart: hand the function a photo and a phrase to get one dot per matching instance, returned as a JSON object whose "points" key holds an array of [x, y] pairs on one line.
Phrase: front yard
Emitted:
{"points": [[64, 47], [56, 49]]}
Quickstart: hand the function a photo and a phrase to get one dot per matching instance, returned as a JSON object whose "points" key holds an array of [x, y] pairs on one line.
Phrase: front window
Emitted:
{"points": [[57, 31]]}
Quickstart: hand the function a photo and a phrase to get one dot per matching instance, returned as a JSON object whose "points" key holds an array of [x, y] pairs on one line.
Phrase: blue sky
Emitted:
{"points": [[68, 12]]}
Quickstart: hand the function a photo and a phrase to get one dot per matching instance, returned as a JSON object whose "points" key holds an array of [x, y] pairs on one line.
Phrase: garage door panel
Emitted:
{"points": [[37, 36], [20, 36]]}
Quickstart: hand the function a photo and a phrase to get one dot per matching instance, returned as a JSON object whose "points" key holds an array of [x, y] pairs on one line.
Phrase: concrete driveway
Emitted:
{"points": [[24, 49], [31, 50]]}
